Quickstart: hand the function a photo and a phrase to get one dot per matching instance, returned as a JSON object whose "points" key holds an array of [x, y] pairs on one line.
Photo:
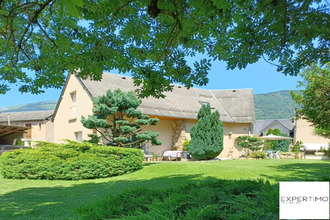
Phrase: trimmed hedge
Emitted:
{"points": [[71, 161]]}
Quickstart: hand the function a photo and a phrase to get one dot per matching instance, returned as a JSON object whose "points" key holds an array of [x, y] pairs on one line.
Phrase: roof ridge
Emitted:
{"points": [[220, 105], [282, 123]]}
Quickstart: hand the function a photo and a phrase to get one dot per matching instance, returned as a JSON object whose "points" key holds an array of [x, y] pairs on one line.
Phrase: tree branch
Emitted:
{"points": [[47, 36]]}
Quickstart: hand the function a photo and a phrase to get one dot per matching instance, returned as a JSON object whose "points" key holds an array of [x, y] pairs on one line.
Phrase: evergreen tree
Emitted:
{"points": [[115, 117], [252, 143], [282, 145], [207, 135]]}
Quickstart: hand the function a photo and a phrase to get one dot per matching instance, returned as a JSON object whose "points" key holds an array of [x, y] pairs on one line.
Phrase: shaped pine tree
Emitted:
{"points": [[207, 135], [115, 117]]}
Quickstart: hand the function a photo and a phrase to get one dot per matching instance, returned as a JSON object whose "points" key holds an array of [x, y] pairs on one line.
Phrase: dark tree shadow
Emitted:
{"points": [[62, 202], [301, 172], [59, 202]]}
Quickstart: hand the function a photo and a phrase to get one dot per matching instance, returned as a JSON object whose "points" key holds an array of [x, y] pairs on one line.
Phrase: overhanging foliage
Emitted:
{"points": [[152, 39]]}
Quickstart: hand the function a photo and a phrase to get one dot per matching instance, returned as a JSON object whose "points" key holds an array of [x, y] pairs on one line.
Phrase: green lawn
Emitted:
{"points": [[43, 199]]}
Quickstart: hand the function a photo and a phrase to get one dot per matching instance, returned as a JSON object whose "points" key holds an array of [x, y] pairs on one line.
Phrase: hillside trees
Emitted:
{"points": [[115, 117], [42, 40], [207, 135], [314, 100]]}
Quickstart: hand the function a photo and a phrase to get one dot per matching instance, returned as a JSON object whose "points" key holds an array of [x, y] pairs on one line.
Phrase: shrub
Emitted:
{"points": [[258, 155], [296, 147], [282, 145], [207, 135], [252, 143], [185, 145], [288, 154], [71, 161], [208, 199]]}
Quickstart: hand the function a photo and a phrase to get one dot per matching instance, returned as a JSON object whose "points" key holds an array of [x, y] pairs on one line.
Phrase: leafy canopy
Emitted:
{"points": [[115, 117], [152, 39], [207, 135], [314, 100]]}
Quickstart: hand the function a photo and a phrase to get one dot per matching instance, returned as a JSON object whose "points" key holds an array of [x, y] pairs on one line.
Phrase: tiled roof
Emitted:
{"points": [[233, 105], [25, 116]]}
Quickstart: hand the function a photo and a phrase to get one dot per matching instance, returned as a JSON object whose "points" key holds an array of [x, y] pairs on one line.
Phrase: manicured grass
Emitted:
{"points": [[43, 199]]}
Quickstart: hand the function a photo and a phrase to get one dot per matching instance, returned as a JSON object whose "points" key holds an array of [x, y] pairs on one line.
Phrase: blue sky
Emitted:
{"points": [[261, 77]]}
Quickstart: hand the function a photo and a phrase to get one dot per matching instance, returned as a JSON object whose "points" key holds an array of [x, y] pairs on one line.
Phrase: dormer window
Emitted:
{"points": [[206, 103]]}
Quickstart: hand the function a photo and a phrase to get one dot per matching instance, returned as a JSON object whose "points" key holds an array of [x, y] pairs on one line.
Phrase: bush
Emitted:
{"points": [[207, 135], [71, 161], [288, 154], [282, 145], [185, 145], [252, 143], [258, 155], [296, 147], [208, 199]]}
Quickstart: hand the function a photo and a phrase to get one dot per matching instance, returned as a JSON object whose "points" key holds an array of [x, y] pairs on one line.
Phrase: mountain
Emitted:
{"points": [[36, 106], [274, 105]]}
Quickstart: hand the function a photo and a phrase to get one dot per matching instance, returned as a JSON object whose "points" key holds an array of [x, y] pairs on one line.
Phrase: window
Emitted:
{"points": [[39, 126], [78, 136], [73, 105]]}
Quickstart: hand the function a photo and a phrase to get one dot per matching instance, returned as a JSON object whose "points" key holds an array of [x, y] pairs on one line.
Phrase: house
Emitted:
{"points": [[261, 127], [305, 132], [177, 112], [37, 125]]}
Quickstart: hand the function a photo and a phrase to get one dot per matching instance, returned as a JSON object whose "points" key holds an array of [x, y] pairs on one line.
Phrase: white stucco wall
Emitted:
{"points": [[65, 126], [230, 132], [164, 127]]}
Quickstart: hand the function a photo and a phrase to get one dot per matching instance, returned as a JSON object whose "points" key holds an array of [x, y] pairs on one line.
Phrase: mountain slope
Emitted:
{"points": [[36, 106], [274, 105]]}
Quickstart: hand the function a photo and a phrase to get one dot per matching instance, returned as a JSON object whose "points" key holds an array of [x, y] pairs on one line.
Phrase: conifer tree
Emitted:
{"points": [[115, 117], [207, 135]]}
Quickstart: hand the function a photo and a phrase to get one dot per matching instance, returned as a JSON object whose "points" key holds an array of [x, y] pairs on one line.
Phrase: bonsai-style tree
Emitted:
{"points": [[207, 135], [115, 117], [252, 143]]}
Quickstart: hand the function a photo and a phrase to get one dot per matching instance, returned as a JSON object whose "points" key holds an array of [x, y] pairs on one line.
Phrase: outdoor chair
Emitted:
{"points": [[276, 155], [148, 157], [169, 155]]}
